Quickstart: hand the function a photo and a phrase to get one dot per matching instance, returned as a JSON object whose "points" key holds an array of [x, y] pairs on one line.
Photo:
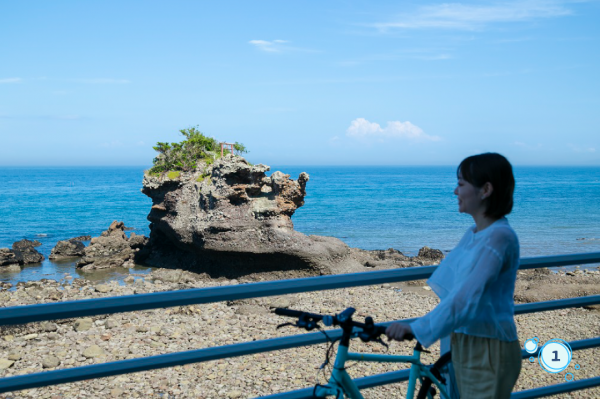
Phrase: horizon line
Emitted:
{"points": [[302, 165]]}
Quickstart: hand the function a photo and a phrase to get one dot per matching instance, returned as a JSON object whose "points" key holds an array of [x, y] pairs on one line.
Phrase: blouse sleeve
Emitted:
{"points": [[466, 299]]}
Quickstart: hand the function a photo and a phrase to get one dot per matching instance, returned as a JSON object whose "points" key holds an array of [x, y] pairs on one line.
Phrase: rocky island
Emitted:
{"points": [[229, 219]]}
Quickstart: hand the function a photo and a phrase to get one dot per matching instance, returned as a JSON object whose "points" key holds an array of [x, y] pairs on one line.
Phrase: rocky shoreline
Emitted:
{"points": [[69, 343], [228, 223], [223, 219]]}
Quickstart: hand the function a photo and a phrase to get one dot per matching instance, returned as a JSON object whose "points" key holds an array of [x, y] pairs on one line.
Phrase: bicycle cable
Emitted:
{"points": [[328, 353]]}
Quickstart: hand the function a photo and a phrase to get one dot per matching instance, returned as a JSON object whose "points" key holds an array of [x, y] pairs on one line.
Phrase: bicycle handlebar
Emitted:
{"points": [[309, 321]]}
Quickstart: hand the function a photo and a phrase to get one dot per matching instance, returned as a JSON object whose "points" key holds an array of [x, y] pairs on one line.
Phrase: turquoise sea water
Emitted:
{"points": [[557, 209]]}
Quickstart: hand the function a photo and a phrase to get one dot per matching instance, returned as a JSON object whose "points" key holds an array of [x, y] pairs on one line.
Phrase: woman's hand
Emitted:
{"points": [[399, 332]]}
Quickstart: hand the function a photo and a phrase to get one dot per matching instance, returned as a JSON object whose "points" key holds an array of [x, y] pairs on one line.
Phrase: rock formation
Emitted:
{"points": [[67, 249], [230, 219], [23, 252], [112, 249], [8, 259]]}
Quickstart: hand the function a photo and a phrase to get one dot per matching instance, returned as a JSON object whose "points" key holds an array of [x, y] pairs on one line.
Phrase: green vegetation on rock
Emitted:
{"points": [[174, 174], [184, 156], [204, 177]]}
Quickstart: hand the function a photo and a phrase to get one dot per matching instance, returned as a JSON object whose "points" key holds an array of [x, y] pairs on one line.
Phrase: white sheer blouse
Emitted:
{"points": [[476, 284]]}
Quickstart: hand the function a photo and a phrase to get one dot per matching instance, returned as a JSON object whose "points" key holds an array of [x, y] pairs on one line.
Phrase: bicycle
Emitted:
{"points": [[340, 383]]}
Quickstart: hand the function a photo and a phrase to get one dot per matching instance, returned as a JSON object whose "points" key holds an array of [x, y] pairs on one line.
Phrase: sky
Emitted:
{"points": [[301, 83]]}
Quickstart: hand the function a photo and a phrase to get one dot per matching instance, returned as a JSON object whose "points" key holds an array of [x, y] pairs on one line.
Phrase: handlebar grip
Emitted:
{"points": [[288, 312], [380, 330]]}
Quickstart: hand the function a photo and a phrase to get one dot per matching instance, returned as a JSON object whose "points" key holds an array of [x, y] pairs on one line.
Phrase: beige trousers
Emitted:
{"points": [[485, 368]]}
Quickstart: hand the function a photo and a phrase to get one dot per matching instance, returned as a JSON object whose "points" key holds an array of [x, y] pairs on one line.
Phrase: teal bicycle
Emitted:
{"points": [[340, 384]]}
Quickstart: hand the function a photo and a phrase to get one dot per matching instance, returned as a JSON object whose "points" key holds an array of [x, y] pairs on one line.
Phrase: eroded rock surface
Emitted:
{"points": [[112, 249], [8, 257], [26, 253], [230, 219], [23, 252], [67, 249]]}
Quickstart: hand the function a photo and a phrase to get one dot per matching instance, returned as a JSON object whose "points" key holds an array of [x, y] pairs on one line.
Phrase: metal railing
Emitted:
{"points": [[128, 303]]}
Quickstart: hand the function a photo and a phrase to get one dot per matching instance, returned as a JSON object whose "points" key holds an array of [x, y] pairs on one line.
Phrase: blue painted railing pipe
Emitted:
{"points": [[402, 375], [202, 355], [128, 303], [556, 389]]}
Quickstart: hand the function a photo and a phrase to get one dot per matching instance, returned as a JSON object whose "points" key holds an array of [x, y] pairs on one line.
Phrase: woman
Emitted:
{"points": [[476, 283]]}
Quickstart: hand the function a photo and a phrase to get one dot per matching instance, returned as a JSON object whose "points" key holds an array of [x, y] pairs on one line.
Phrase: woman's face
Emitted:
{"points": [[469, 197]]}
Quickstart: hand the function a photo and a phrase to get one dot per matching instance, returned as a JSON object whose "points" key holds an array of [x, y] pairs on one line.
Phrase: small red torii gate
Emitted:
{"points": [[224, 144]]}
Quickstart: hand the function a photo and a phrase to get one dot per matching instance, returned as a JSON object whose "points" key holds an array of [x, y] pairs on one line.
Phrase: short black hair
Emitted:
{"points": [[494, 168]]}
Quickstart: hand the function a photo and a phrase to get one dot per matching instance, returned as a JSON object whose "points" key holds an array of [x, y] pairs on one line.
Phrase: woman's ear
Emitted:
{"points": [[486, 190]]}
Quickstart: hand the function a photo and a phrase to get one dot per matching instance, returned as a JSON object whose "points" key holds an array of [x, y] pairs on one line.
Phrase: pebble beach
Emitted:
{"points": [[39, 347]]}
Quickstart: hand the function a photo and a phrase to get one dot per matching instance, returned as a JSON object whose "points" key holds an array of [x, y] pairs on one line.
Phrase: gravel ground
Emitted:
{"points": [[76, 342]]}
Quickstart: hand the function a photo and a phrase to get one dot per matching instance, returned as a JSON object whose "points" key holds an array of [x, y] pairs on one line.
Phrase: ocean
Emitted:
{"points": [[557, 209]]}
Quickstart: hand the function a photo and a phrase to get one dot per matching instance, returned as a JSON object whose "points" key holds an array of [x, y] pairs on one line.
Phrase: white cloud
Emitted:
{"points": [[471, 17], [11, 80], [362, 128], [279, 46], [275, 46]]}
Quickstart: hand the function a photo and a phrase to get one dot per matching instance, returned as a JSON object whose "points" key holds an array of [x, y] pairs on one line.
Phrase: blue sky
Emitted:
{"points": [[301, 83]]}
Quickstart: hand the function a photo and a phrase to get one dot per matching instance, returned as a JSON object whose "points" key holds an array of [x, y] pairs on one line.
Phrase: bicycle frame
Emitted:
{"points": [[341, 383]]}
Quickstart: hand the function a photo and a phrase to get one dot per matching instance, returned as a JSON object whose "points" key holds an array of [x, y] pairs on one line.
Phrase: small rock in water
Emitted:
{"points": [[129, 279]]}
